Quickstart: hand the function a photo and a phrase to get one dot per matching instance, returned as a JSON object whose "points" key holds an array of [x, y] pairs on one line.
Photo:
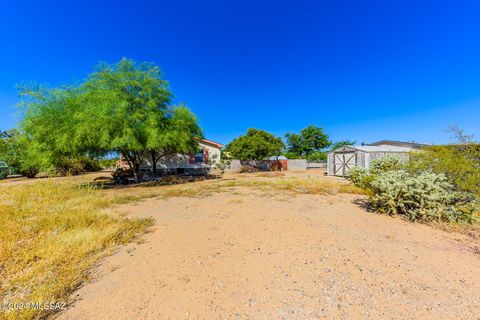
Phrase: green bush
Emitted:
{"points": [[75, 166], [21, 154], [385, 164], [424, 197], [363, 178], [460, 163], [360, 177], [3, 173], [90, 164], [418, 192]]}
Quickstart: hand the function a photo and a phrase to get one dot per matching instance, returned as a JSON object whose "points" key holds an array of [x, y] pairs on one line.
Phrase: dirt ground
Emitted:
{"points": [[250, 254]]}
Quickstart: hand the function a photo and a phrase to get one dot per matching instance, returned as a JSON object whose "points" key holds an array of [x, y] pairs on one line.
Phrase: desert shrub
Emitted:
{"points": [[247, 169], [424, 197], [460, 163], [385, 164], [363, 178], [90, 165], [65, 166], [30, 172], [76, 166], [418, 192]]}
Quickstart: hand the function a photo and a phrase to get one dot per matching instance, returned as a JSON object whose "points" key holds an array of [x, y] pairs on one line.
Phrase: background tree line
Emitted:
{"points": [[310, 143]]}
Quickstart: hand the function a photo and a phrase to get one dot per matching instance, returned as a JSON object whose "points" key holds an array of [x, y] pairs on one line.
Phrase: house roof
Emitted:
{"points": [[395, 143], [278, 158], [382, 148], [211, 143]]}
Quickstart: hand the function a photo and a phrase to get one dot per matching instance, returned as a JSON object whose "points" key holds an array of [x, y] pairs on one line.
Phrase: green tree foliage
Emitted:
{"points": [[255, 145], [128, 103], [291, 155], [317, 156], [124, 107], [311, 139], [51, 121], [49, 118], [178, 136], [8, 133], [342, 143], [21, 154]]}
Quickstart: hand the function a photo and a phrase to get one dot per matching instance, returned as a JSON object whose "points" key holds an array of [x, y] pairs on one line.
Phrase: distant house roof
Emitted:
{"points": [[211, 143], [413, 145], [278, 158], [382, 148]]}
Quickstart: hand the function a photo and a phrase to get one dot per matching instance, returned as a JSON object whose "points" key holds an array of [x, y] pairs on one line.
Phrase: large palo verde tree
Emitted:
{"points": [[124, 107]]}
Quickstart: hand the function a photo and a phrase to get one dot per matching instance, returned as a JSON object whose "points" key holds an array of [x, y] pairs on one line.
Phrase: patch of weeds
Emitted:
{"points": [[270, 174], [298, 186]]}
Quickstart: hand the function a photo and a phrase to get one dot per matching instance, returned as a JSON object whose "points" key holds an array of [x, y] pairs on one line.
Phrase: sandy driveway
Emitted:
{"points": [[250, 255]]}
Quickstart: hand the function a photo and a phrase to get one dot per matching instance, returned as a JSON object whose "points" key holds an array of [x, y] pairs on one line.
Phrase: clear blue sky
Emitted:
{"points": [[363, 70]]}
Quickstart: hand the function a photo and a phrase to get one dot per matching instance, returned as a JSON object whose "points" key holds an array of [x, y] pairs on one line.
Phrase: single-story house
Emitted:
{"points": [[196, 163], [342, 159], [271, 164]]}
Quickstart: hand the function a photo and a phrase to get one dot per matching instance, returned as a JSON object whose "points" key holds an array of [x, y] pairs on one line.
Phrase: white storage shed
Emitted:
{"points": [[340, 160]]}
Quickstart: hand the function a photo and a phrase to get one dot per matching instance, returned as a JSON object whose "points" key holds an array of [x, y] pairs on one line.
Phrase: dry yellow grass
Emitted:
{"points": [[51, 234], [273, 174], [54, 231], [297, 185], [292, 185]]}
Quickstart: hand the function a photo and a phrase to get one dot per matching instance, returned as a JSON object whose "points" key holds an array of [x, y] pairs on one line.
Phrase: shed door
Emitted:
{"points": [[343, 162]]}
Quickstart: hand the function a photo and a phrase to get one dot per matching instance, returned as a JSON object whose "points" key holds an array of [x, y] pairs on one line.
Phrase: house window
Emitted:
{"points": [[198, 157]]}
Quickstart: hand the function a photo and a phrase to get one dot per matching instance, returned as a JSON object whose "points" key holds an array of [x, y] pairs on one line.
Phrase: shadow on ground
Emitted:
{"points": [[108, 182]]}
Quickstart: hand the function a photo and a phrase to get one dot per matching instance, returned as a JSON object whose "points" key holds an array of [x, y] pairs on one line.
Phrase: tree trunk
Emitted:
{"points": [[154, 163], [136, 175], [134, 162]]}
